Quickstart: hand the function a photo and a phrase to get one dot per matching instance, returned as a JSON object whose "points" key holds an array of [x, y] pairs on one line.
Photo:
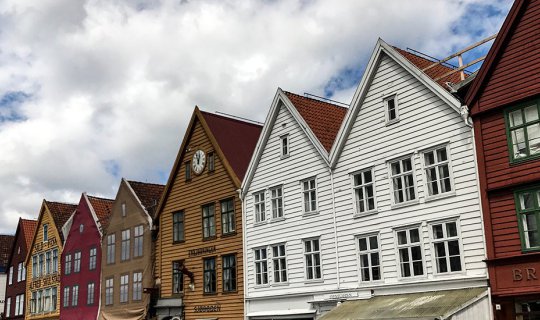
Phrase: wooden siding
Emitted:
{"points": [[425, 121], [515, 75], [504, 224], [190, 197], [303, 162], [16, 288]]}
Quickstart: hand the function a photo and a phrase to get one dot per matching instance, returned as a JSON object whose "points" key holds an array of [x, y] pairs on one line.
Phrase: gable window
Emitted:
{"points": [[20, 272], [391, 108], [92, 261], [402, 176], [258, 199], [90, 294], [523, 127], [126, 239], [312, 256], [66, 296], [369, 253], [34, 266], [124, 288], [178, 226], [528, 210], [45, 232], [109, 291], [276, 199], [111, 244], [123, 209], [138, 241], [437, 171], [209, 221], [67, 264], [310, 195], [284, 146], [210, 159], [227, 216], [55, 260], [137, 286], [178, 277], [364, 191], [261, 267], [447, 247], [229, 273], [81, 228], [209, 267], [75, 296], [410, 252], [188, 170], [77, 262], [279, 263], [10, 277]]}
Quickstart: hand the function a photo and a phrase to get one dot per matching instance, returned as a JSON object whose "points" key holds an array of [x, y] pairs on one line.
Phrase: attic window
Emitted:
{"points": [[81, 228], [123, 209], [391, 109], [211, 161], [284, 146], [188, 170], [45, 232]]}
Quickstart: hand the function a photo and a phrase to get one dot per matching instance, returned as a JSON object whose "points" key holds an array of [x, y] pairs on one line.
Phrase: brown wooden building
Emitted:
{"points": [[504, 99], [199, 264]]}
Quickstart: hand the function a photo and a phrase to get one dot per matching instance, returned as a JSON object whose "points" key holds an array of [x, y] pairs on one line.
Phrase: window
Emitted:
{"points": [[123, 209], [370, 265], [45, 232], [446, 247], [77, 262], [109, 291], [20, 272], [312, 255], [19, 309], [209, 222], [402, 180], [81, 228], [111, 243], [75, 296], [53, 299], [528, 210], [364, 191], [67, 267], [137, 286], [276, 198], [90, 294], [178, 277], [178, 226], [66, 296], [55, 260], [437, 171], [279, 263], [258, 199], [188, 170], [209, 266], [211, 162], [17, 304], [92, 261], [124, 288], [8, 307], [126, 237], [227, 216], [10, 277], [284, 146], [410, 252], [34, 266], [39, 301], [261, 267], [33, 300], [41, 265], [310, 195], [391, 109], [48, 263], [229, 273], [138, 241], [523, 127]]}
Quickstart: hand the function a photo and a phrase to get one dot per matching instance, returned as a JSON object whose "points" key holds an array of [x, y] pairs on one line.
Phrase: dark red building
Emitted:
{"points": [[6, 273], [81, 259], [504, 100]]}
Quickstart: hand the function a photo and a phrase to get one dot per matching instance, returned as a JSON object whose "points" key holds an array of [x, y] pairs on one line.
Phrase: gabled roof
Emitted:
{"points": [[6, 244], [102, 208], [323, 118], [147, 193], [29, 228], [60, 213], [233, 141], [383, 48]]}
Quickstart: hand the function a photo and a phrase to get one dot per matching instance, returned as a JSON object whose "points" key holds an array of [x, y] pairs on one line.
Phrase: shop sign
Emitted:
{"points": [[201, 251], [520, 275], [45, 282], [40, 246], [207, 308]]}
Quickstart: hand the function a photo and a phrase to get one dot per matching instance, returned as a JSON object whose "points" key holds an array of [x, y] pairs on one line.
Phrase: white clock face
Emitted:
{"points": [[199, 159]]}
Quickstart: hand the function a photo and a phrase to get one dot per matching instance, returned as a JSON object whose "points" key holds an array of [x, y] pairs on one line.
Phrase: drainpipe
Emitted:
{"points": [[335, 227], [244, 248]]}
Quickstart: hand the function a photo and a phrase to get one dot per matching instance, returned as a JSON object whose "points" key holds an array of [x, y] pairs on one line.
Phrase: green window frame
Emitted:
{"points": [[523, 130], [528, 214]]}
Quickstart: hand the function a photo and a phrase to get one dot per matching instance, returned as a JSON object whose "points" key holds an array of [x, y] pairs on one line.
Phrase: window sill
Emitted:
{"points": [[310, 214], [412, 278], [518, 161], [260, 223], [209, 293], [262, 286], [284, 156], [391, 122], [280, 284], [365, 214], [441, 196], [274, 220], [370, 283], [230, 234], [178, 242], [449, 274], [404, 204], [230, 292], [209, 238], [314, 281]]}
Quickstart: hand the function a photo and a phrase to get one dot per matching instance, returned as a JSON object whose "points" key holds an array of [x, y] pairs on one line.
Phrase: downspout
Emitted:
{"points": [[335, 227], [244, 249]]}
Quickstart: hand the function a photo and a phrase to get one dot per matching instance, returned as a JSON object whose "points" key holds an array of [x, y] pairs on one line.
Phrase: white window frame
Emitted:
{"points": [[8, 307], [279, 257], [387, 98], [75, 295], [10, 276], [445, 240], [124, 288], [284, 146], [357, 212], [109, 291], [309, 193], [259, 206], [111, 248], [313, 253], [20, 272], [368, 252], [92, 260], [126, 245], [425, 167], [277, 199], [138, 241], [408, 246], [67, 264], [263, 262], [136, 294], [401, 175], [77, 257], [20, 311]]}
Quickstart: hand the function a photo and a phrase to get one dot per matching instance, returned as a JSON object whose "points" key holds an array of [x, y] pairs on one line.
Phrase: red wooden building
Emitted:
{"points": [[504, 101], [81, 259]]}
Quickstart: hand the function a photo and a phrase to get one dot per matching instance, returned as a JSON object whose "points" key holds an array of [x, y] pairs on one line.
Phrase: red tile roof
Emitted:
{"points": [[60, 212], [29, 229], [433, 73], [6, 242], [237, 139], [323, 118], [148, 193], [102, 208]]}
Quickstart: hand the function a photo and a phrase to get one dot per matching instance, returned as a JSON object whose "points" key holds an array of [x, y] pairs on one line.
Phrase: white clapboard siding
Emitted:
{"points": [[425, 121], [304, 162]]}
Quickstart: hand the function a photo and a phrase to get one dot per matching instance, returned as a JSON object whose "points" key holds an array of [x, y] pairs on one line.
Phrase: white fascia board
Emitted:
{"points": [[67, 226], [148, 217]]}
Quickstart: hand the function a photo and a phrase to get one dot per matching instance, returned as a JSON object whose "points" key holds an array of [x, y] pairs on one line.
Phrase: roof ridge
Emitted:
{"points": [[149, 183], [318, 100], [99, 198], [61, 202], [232, 118]]}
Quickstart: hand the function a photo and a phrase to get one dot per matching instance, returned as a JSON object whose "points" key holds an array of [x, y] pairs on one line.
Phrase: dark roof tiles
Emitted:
{"points": [[60, 212], [148, 193], [29, 228], [6, 242], [102, 208]]}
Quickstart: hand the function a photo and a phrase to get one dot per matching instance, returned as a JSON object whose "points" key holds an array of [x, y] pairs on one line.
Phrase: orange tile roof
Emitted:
{"points": [[29, 228], [323, 118], [60, 212], [434, 72], [102, 208], [148, 193]]}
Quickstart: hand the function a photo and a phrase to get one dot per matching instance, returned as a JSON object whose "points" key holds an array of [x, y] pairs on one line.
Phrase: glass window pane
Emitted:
{"points": [[407, 165], [402, 237], [438, 231], [518, 143], [441, 154], [429, 158], [362, 244], [373, 243], [451, 229], [515, 118], [367, 176], [395, 168], [533, 135], [531, 113], [527, 201], [415, 236]]}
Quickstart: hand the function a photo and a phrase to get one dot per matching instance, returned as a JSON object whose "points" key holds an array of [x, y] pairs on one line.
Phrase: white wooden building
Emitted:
{"points": [[396, 202]]}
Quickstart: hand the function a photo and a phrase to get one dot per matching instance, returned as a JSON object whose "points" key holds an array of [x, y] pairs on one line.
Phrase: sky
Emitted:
{"points": [[95, 90]]}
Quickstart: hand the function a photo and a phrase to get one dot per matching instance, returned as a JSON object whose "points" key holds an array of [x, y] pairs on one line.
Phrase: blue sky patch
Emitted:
{"points": [[9, 106]]}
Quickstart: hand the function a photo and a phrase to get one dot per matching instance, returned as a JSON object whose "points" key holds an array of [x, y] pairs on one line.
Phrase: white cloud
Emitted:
{"points": [[112, 84]]}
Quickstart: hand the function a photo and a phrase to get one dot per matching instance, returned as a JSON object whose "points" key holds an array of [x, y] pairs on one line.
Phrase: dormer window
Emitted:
{"points": [[284, 146], [391, 109]]}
